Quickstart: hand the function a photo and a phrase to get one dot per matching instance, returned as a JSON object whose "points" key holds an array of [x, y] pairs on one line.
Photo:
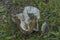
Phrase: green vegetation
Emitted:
{"points": [[49, 11], [2, 10]]}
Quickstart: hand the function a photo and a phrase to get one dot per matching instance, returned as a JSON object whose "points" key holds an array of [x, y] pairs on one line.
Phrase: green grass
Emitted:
{"points": [[2, 9], [9, 31]]}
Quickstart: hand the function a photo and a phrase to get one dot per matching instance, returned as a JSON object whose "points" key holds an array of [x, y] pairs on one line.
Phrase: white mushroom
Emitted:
{"points": [[31, 10], [22, 24], [24, 18], [44, 25]]}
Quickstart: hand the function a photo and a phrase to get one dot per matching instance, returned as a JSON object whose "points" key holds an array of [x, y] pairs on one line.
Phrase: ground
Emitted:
{"points": [[49, 11]]}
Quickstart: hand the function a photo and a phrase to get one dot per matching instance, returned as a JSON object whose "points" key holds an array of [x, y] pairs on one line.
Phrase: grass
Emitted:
{"points": [[9, 31]]}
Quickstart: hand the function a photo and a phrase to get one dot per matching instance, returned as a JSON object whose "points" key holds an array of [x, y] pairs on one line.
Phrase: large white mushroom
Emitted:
{"points": [[31, 10], [25, 19]]}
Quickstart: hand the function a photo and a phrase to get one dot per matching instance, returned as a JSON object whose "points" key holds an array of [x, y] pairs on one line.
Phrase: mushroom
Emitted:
{"points": [[35, 12], [24, 21]]}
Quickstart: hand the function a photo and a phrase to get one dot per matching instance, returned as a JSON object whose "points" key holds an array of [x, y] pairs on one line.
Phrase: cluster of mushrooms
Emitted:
{"points": [[28, 20]]}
